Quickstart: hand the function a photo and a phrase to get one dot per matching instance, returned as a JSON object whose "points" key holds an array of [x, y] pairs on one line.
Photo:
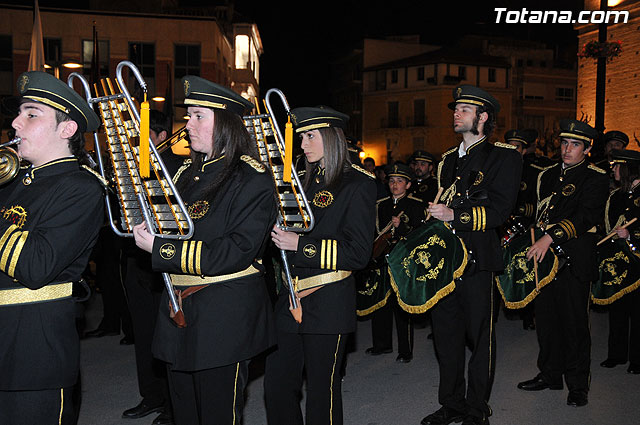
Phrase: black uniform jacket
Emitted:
{"points": [[481, 188], [621, 208], [228, 321], [526, 202], [571, 202], [341, 240], [411, 210], [49, 222], [424, 189]]}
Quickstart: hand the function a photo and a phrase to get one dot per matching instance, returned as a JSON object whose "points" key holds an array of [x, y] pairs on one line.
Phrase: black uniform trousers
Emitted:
{"points": [[465, 317], [624, 329], [381, 329], [321, 357], [210, 396], [562, 326], [143, 296], [54, 406]]}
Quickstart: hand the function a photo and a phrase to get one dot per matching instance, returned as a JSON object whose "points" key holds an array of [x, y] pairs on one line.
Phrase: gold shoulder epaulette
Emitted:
{"points": [[382, 199], [598, 169], [504, 145], [254, 164], [302, 173], [449, 151], [97, 175], [363, 171], [414, 198], [185, 164], [538, 167]]}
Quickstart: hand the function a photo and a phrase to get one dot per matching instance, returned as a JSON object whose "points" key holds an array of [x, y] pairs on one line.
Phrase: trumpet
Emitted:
{"points": [[174, 139], [9, 161]]}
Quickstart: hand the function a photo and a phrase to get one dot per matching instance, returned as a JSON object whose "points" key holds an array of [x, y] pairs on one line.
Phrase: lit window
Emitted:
{"points": [[242, 52]]}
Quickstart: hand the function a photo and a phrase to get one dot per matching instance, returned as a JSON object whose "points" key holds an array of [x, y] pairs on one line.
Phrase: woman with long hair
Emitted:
{"points": [[624, 313], [342, 198], [230, 198]]}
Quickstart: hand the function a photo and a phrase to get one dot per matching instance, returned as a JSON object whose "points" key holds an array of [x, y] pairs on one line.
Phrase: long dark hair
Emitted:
{"points": [[629, 171], [76, 142], [336, 157], [490, 123], [230, 137]]}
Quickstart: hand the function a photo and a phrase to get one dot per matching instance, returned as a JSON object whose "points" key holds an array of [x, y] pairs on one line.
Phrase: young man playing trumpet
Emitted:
{"points": [[49, 221]]}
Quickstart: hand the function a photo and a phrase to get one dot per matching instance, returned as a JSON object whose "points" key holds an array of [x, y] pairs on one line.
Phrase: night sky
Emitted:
{"points": [[300, 37]]}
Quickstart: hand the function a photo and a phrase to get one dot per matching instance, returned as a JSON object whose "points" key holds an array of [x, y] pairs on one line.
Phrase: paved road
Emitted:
{"points": [[379, 391]]}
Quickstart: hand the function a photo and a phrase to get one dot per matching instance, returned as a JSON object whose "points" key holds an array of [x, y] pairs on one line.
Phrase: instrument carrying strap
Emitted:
{"points": [[321, 280], [193, 280]]}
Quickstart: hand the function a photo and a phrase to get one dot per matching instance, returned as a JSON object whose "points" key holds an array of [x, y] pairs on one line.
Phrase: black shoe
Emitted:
{"points": [[537, 384], [634, 368], [577, 398], [99, 333], [141, 410], [443, 416], [373, 351], [474, 420], [609, 363], [404, 358], [163, 419], [127, 340]]}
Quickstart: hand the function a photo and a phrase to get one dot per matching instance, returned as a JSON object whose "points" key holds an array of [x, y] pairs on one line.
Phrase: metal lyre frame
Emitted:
{"points": [[168, 219], [294, 212]]}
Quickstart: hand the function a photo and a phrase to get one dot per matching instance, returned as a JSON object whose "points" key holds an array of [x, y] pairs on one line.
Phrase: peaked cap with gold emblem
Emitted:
{"points": [[311, 118], [474, 96], [38, 86], [526, 136], [399, 170], [579, 130], [421, 155], [201, 92]]}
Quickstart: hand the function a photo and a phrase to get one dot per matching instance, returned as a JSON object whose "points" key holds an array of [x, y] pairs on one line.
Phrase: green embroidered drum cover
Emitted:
{"points": [[619, 268], [423, 266]]}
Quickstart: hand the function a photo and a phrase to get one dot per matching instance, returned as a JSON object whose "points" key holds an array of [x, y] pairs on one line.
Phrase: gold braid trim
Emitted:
{"points": [[363, 171], [102, 180], [416, 309], [362, 313], [504, 145], [598, 169], [184, 166], [534, 293], [256, 165], [617, 295]]}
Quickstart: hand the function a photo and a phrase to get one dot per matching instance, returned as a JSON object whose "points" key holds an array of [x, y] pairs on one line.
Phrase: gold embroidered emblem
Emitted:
{"points": [[465, 217], [198, 209], [167, 251], [423, 188], [421, 255], [636, 234], [479, 178], [309, 250], [572, 126], [458, 92], [24, 81], [568, 189], [636, 202], [187, 86], [16, 215], [558, 233], [323, 199], [523, 186], [404, 218], [294, 120]]}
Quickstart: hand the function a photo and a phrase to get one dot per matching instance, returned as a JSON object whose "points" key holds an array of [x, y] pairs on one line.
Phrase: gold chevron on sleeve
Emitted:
{"points": [[322, 253], [16, 253], [198, 257], [6, 250], [335, 255], [6, 235]]}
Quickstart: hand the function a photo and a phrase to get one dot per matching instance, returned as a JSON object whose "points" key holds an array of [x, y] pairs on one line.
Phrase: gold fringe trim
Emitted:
{"points": [[617, 295], [184, 166], [256, 165], [440, 294], [534, 293], [363, 171], [365, 312], [97, 175]]}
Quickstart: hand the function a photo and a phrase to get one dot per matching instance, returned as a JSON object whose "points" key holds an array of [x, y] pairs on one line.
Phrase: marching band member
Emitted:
{"points": [[624, 313], [230, 198], [343, 203], [481, 183], [571, 198], [49, 221]]}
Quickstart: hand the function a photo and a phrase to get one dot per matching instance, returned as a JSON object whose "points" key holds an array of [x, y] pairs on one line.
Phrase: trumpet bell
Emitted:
{"points": [[9, 165]]}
